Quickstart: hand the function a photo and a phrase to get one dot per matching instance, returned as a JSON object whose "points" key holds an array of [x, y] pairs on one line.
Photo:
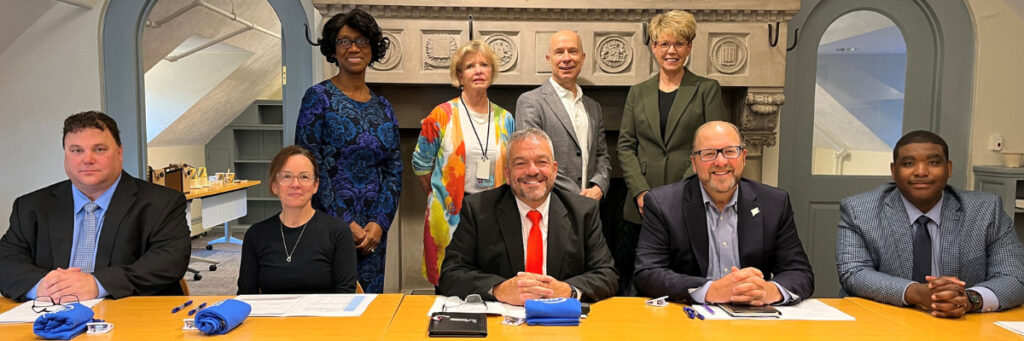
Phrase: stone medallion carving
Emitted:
{"points": [[614, 54], [505, 49], [392, 57], [728, 55], [438, 49]]}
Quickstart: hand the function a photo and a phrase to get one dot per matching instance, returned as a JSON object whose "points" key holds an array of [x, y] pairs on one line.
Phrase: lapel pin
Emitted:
{"points": [[754, 211]]}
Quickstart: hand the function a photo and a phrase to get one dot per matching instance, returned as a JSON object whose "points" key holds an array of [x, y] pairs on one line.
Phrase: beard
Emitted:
{"points": [[532, 194], [720, 185]]}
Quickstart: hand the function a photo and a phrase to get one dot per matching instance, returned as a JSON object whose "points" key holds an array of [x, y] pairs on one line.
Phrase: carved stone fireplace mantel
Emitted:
{"points": [[737, 43], [733, 45]]}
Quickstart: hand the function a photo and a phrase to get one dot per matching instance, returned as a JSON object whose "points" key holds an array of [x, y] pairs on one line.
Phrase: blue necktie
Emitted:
{"points": [[85, 250], [922, 250]]}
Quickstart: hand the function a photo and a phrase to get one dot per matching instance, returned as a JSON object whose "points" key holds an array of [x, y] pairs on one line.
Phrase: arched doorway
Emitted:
{"points": [[123, 90], [935, 94]]}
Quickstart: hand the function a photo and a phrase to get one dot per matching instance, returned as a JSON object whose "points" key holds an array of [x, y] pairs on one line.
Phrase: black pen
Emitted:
{"points": [[182, 306], [196, 309]]}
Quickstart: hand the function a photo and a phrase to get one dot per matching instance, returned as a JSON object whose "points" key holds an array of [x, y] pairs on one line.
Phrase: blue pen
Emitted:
{"points": [[712, 312], [691, 313], [182, 306], [196, 309]]}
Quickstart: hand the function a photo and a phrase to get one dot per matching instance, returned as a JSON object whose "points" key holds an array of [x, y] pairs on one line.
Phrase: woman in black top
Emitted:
{"points": [[300, 250]]}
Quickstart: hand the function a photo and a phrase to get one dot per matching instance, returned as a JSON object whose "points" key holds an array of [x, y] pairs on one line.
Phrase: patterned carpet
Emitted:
{"points": [[223, 281]]}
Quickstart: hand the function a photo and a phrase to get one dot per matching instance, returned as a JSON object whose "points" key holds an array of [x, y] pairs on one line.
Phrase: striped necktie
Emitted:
{"points": [[85, 250]]}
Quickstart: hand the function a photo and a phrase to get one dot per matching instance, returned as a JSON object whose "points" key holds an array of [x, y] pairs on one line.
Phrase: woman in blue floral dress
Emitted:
{"points": [[354, 135]]}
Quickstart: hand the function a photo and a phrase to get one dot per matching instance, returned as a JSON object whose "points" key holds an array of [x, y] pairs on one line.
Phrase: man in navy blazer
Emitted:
{"points": [[719, 238], [920, 242], [100, 233]]}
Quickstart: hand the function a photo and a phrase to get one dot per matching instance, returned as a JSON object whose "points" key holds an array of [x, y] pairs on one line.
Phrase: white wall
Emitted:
{"points": [[998, 80], [159, 157], [51, 71], [174, 87]]}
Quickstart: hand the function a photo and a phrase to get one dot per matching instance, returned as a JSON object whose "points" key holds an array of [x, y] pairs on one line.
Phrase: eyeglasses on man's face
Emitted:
{"points": [[47, 304], [710, 154], [664, 45], [346, 42], [286, 178]]}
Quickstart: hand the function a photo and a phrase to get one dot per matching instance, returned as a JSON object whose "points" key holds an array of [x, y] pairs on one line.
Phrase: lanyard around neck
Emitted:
{"points": [[487, 134]]}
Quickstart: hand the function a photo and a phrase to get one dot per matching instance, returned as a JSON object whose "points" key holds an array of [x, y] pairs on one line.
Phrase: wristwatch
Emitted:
{"points": [[573, 293], [976, 302]]}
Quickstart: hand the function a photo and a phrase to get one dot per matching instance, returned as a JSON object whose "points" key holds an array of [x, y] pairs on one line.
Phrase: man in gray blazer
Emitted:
{"points": [[920, 242], [572, 120]]}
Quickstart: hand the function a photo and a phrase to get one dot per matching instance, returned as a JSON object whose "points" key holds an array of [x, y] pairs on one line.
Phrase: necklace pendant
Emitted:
{"points": [[289, 259]]}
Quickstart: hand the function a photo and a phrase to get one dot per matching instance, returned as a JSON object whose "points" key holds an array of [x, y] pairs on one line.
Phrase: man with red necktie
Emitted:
{"points": [[525, 240]]}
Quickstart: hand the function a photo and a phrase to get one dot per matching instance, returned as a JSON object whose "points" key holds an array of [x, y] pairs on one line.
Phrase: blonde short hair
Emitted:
{"points": [[474, 46], [677, 23]]}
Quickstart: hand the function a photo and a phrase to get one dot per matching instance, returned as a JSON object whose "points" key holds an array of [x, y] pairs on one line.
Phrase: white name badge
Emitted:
{"points": [[483, 173]]}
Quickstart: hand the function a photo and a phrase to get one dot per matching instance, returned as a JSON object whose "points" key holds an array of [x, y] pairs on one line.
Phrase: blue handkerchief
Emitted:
{"points": [[222, 317], [553, 312], [64, 324]]}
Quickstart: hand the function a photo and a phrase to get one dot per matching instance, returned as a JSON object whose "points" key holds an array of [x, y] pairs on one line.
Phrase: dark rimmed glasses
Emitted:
{"points": [[47, 304], [345, 43], [710, 154]]}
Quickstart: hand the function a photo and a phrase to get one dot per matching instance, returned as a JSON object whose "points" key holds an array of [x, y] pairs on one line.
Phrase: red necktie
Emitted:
{"points": [[535, 245]]}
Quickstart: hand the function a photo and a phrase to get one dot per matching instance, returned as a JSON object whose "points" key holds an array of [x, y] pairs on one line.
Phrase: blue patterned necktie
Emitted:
{"points": [[85, 250], [922, 250]]}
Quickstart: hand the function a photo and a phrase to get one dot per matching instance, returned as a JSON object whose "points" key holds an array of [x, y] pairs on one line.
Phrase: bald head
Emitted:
{"points": [[565, 34], [565, 56], [716, 128]]}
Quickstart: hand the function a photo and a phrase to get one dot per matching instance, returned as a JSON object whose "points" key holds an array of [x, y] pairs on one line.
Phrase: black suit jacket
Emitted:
{"points": [[672, 253], [487, 247], [143, 246]]}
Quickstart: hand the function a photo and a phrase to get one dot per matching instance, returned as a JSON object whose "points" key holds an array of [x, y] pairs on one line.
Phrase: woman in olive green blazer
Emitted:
{"points": [[658, 122]]}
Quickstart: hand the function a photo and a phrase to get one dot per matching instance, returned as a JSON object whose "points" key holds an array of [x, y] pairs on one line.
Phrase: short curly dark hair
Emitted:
{"points": [[358, 20], [90, 119]]}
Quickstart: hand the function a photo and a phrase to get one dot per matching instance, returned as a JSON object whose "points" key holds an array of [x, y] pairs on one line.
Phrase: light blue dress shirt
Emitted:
{"points": [[80, 199], [935, 214], [723, 251]]}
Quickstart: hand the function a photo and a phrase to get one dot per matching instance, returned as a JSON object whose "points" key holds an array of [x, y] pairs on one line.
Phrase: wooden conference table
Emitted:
{"points": [[398, 317]]}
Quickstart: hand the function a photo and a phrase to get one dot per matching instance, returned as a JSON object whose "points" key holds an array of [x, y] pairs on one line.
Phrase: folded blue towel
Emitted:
{"points": [[64, 324], [222, 317], [553, 312]]}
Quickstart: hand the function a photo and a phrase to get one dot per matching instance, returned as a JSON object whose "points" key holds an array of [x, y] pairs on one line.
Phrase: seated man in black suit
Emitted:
{"points": [[524, 241], [719, 238], [100, 233]]}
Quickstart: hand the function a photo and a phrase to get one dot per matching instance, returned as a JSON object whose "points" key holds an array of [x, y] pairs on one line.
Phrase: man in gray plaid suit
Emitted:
{"points": [[920, 242]]}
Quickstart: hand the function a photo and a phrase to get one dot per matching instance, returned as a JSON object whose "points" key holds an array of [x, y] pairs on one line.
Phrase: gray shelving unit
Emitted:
{"points": [[1008, 183], [246, 146]]}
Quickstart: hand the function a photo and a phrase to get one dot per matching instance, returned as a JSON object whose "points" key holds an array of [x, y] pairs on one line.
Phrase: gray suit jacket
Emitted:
{"points": [[649, 161], [542, 109], [874, 245]]}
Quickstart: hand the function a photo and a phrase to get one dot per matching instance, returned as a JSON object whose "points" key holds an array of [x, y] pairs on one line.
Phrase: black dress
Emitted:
{"points": [[324, 260]]}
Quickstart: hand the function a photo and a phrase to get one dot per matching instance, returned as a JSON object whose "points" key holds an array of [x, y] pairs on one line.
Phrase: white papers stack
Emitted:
{"points": [[23, 312], [454, 305], [326, 305], [813, 310], [1020, 203], [1016, 327]]}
